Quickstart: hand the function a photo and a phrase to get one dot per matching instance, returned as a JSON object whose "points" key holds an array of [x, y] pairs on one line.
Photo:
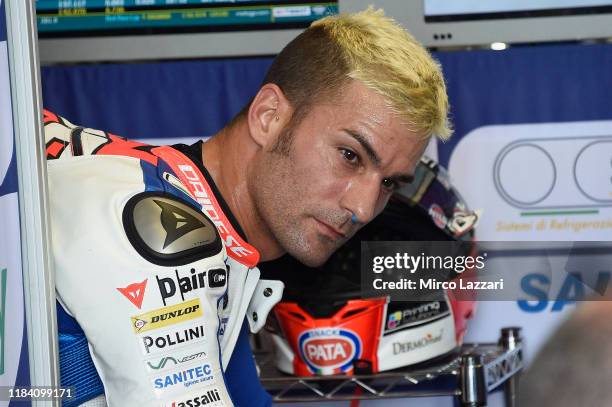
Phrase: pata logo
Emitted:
{"points": [[329, 348]]}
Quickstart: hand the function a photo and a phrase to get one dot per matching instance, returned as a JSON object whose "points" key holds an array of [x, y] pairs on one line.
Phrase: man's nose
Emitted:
{"points": [[361, 199]]}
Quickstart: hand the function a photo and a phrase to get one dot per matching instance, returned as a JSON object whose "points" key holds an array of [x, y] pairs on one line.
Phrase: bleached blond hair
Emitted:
{"points": [[371, 48]]}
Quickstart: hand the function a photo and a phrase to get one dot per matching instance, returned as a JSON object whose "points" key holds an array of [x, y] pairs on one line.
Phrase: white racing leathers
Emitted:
{"points": [[150, 267]]}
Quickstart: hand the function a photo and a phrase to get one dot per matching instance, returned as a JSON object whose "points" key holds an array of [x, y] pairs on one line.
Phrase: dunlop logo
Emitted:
{"points": [[167, 316]]}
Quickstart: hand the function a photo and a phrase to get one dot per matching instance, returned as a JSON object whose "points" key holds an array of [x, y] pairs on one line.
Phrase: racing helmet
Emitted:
{"points": [[323, 327]]}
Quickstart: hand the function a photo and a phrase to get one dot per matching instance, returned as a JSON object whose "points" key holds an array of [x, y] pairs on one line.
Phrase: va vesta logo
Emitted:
{"points": [[168, 362]]}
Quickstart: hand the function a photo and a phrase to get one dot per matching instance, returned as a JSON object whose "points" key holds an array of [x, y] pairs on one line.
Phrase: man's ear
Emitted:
{"points": [[268, 114]]}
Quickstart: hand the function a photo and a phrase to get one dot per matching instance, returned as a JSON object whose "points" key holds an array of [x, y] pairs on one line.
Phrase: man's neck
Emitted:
{"points": [[227, 156]]}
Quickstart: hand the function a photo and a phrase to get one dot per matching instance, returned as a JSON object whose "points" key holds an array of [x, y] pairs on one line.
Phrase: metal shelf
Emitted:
{"points": [[469, 374]]}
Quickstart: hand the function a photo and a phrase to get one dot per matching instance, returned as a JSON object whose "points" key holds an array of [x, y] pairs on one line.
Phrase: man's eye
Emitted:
{"points": [[350, 156], [389, 184]]}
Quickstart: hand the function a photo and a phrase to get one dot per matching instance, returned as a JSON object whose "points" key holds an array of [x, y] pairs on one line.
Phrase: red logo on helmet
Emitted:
{"points": [[438, 216], [329, 348], [328, 352]]}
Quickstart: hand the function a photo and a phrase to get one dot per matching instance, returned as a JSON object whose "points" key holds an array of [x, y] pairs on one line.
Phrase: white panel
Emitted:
{"points": [[533, 183], [518, 30]]}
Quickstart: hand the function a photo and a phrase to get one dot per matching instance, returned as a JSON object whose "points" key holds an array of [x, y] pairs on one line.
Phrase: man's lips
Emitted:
{"points": [[330, 230]]}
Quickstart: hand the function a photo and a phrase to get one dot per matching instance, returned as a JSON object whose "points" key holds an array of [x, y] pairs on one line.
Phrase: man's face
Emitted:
{"points": [[345, 158]]}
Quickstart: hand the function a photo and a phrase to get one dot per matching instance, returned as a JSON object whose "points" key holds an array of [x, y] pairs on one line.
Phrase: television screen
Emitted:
{"points": [[464, 10], [82, 18], [130, 30]]}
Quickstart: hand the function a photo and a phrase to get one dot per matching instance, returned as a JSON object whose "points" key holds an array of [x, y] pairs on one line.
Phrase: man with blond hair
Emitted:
{"points": [[341, 120], [343, 116]]}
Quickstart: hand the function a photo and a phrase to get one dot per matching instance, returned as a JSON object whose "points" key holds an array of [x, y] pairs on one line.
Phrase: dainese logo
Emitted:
{"points": [[329, 348], [134, 292]]}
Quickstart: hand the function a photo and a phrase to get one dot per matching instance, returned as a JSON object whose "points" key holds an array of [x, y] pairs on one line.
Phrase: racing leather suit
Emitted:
{"points": [[150, 267]]}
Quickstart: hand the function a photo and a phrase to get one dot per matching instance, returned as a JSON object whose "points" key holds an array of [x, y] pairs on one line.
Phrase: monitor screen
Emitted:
{"points": [[129, 30], [465, 10], [459, 23], [82, 18]]}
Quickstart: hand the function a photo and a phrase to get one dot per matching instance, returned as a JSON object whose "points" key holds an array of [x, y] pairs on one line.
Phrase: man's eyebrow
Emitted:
{"points": [[366, 146], [405, 178]]}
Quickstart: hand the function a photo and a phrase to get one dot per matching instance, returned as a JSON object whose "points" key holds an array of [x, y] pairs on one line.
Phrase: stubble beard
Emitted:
{"points": [[278, 198]]}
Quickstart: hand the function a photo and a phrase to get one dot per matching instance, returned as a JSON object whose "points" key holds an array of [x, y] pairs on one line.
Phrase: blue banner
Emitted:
{"points": [[546, 83], [154, 100], [531, 84]]}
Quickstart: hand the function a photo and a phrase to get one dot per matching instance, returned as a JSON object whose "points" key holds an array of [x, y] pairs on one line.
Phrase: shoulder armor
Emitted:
{"points": [[167, 231], [64, 139]]}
